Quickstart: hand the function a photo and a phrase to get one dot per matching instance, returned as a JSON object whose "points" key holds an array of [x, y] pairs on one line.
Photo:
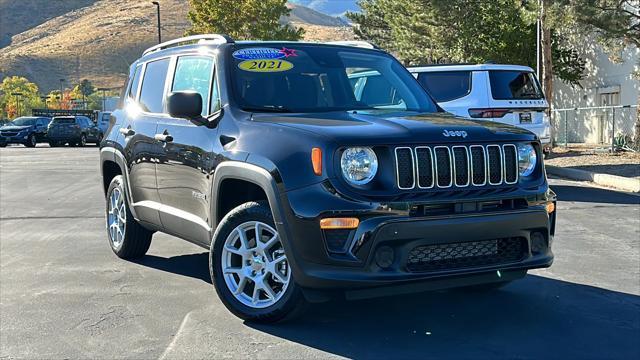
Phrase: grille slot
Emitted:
{"points": [[456, 166], [405, 168], [452, 256], [424, 161]]}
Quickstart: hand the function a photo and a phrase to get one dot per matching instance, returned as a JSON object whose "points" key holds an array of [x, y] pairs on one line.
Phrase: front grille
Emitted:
{"points": [[466, 254], [9, 133], [456, 166]]}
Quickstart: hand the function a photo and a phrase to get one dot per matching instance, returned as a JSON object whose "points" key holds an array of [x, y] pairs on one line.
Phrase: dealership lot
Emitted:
{"points": [[63, 294]]}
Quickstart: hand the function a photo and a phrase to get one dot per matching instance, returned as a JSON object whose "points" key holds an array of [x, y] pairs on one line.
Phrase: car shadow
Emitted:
{"points": [[593, 195], [190, 265], [532, 318]]}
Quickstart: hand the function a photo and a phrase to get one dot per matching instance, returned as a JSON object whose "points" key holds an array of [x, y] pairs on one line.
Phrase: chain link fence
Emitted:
{"points": [[610, 126]]}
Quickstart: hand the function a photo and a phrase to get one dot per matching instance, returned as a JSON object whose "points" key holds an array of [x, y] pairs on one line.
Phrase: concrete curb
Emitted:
{"points": [[618, 182]]}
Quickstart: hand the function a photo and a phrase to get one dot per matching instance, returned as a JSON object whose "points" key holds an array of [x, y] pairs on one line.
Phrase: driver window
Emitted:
{"points": [[372, 88], [194, 73]]}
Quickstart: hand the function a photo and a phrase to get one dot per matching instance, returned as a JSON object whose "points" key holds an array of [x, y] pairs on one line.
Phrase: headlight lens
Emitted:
{"points": [[359, 165], [527, 159]]}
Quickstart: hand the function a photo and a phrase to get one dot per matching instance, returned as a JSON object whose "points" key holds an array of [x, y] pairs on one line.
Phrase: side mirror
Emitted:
{"points": [[185, 105]]}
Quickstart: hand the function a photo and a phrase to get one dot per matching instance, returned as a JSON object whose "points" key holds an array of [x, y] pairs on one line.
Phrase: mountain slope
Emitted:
{"points": [[99, 41]]}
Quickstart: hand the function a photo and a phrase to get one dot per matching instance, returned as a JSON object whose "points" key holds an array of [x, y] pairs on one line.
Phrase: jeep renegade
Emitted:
{"points": [[305, 183]]}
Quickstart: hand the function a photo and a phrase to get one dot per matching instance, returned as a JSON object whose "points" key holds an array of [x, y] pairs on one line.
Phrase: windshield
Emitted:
{"points": [[24, 121], [63, 120], [510, 85], [314, 78]]}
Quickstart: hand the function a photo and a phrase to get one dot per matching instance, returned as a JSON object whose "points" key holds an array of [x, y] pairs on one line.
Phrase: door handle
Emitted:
{"points": [[127, 131], [164, 137]]}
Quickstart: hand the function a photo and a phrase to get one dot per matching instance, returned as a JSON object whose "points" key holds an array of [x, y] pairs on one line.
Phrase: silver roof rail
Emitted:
{"points": [[354, 43], [207, 38]]}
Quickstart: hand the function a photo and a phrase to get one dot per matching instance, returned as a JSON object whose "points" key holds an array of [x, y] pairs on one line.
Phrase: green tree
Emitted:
{"points": [[12, 104], [243, 19], [82, 91]]}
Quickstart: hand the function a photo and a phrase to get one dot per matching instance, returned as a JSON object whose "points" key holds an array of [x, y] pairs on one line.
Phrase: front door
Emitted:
{"points": [[185, 170]]}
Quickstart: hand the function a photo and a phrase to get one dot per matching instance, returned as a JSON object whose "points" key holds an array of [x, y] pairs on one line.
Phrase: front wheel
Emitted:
{"points": [[249, 267], [128, 239], [31, 141]]}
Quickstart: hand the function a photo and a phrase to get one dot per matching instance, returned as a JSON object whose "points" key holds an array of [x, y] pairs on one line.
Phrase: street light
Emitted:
{"points": [[157, 4]]}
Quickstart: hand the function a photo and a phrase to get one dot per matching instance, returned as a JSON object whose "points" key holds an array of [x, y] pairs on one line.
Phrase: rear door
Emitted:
{"points": [[144, 106], [454, 90], [184, 172], [41, 129]]}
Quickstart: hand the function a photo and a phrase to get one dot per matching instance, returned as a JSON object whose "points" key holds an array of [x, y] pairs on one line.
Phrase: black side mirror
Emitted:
{"points": [[185, 105]]}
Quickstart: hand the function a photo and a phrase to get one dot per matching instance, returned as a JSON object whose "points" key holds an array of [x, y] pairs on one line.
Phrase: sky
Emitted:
{"points": [[330, 7]]}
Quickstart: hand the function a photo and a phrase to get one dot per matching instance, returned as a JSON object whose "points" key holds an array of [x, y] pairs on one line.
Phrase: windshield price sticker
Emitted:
{"points": [[265, 65]]}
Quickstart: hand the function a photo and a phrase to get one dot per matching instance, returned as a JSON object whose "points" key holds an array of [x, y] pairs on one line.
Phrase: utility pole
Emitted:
{"points": [[17, 95], [61, 92], [157, 4], [538, 40]]}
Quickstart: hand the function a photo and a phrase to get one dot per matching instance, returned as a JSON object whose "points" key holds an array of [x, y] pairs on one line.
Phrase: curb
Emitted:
{"points": [[618, 182]]}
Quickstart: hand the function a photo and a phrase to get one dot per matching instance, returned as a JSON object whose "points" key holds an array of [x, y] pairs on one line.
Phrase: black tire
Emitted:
{"points": [[98, 139], [137, 239], [3, 145], [292, 302], [31, 141], [54, 144], [83, 140]]}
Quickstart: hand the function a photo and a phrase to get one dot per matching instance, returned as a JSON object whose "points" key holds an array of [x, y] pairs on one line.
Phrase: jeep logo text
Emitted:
{"points": [[449, 133]]}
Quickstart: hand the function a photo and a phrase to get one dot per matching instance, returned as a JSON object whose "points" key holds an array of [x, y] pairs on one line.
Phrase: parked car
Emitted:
{"points": [[74, 130], [303, 188], [4, 122], [26, 130], [509, 94], [103, 120]]}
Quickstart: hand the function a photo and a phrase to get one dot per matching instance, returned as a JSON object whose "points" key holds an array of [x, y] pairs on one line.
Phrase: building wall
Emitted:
{"points": [[605, 83]]}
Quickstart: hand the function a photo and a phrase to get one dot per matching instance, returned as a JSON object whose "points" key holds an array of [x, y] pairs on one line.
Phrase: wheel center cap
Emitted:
{"points": [[256, 263]]}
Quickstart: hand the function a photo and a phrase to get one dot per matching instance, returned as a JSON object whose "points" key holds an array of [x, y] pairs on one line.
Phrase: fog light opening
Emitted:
{"points": [[385, 257], [538, 243]]}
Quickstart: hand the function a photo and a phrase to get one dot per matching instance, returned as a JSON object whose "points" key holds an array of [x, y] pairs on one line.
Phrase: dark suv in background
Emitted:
{"points": [[303, 188], [26, 130], [74, 130]]}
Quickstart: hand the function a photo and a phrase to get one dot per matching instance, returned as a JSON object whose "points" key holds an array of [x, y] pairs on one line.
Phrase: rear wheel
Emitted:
{"points": [[83, 140], [127, 238], [249, 267]]}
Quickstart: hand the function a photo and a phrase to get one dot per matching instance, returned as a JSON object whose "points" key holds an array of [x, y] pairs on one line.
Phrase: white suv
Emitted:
{"points": [[509, 94]]}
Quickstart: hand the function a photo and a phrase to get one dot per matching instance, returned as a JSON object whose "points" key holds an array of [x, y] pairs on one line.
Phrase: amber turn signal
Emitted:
{"points": [[551, 207], [339, 223], [316, 160]]}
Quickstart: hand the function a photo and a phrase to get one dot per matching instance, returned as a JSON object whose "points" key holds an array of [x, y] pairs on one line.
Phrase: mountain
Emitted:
{"points": [[330, 7], [98, 39]]}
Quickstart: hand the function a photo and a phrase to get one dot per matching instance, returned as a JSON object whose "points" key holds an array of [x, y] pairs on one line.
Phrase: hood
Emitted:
{"points": [[15, 128], [381, 127]]}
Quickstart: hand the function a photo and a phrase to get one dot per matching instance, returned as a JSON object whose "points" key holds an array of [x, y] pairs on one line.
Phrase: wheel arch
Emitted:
{"points": [[113, 163]]}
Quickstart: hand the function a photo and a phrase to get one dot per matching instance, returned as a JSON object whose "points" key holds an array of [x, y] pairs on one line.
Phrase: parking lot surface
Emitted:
{"points": [[64, 294]]}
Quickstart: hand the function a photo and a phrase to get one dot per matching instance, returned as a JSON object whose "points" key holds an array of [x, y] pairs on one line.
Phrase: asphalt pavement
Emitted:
{"points": [[63, 294]]}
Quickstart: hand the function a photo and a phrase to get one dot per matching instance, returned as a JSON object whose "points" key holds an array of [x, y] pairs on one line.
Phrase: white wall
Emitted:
{"points": [[601, 76]]}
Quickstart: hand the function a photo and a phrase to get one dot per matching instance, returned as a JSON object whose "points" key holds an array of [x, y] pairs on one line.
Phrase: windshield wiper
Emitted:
{"points": [[267, 108]]}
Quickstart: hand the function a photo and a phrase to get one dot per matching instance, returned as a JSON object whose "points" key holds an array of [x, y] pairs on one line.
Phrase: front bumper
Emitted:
{"points": [[17, 139], [376, 257]]}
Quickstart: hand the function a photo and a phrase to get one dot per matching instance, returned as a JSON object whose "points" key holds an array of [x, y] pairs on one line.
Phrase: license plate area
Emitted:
{"points": [[525, 118]]}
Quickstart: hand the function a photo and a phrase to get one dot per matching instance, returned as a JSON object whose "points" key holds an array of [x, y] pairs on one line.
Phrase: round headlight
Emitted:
{"points": [[359, 165], [527, 159]]}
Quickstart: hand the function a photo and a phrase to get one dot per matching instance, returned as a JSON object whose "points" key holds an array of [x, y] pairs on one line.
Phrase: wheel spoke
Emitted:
{"points": [[244, 242], [279, 259], [231, 270], [233, 250], [274, 239], [268, 290], [278, 276], [241, 285], [256, 293]]}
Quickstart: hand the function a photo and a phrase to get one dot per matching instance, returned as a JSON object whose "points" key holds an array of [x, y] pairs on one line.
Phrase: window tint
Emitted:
{"points": [[63, 120], [377, 91], [133, 90], [507, 85], [194, 73], [152, 93], [446, 85]]}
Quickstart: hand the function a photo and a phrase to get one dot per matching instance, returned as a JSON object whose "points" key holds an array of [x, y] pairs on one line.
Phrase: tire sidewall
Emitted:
{"points": [[248, 212]]}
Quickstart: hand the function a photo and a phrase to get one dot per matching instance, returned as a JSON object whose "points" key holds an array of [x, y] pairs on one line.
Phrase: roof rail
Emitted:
{"points": [[355, 43], [206, 38]]}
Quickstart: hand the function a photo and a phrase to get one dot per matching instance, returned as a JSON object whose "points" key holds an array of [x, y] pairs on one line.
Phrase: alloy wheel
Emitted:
{"points": [[116, 218], [254, 265]]}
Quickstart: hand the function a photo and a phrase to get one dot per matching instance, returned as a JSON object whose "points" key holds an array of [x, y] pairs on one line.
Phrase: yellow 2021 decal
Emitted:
{"points": [[274, 65]]}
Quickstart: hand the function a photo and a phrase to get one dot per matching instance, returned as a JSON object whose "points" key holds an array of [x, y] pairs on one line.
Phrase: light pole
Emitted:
{"points": [[61, 91], [103, 97], [45, 98], [157, 4], [17, 95]]}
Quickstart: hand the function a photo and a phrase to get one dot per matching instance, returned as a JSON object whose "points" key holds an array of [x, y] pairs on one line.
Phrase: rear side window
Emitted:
{"points": [[133, 90], [194, 73], [509, 85], [152, 92], [446, 85]]}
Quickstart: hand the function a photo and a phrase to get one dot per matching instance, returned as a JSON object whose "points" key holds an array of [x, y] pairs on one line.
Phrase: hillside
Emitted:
{"points": [[98, 41]]}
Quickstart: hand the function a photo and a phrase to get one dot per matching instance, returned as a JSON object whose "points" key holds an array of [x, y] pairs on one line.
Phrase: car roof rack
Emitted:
{"points": [[354, 43], [200, 39]]}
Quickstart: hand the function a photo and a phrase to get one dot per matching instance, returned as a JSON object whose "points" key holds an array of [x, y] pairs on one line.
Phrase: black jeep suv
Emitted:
{"points": [[74, 130], [306, 183]]}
